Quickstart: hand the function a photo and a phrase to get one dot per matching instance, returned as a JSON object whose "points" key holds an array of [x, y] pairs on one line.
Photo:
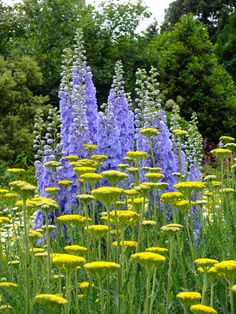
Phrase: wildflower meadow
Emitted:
{"points": [[123, 219]]}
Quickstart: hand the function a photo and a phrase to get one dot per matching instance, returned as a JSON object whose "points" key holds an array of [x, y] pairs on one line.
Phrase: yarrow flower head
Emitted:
{"points": [[205, 263], [171, 228], [221, 153], [51, 301], [189, 186], [15, 170], [226, 269], [73, 219], [171, 197], [67, 261], [114, 176], [157, 249], [107, 194], [97, 230], [189, 298], [127, 244], [149, 132], [148, 259], [202, 309], [179, 132], [101, 268], [75, 249]]}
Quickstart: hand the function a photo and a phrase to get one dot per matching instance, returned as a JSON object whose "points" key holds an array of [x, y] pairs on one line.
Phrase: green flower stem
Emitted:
{"points": [[26, 259], [68, 294], [153, 290], [180, 160], [101, 295], [152, 151], [148, 290], [212, 294], [204, 288], [140, 229], [1, 255], [169, 273], [49, 251], [99, 249], [222, 169], [76, 293], [231, 296]]}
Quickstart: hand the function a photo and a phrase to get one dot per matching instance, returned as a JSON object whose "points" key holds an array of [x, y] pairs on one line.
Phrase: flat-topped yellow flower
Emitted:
{"points": [[144, 188], [157, 249], [137, 155], [4, 220], [205, 263], [171, 197], [51, 301], [101, 268], [202, 309], [33, 234], [171, 228], [67, 261], [226, 139], [85, 285], [91, 177], [75, 249], [75, 219], [107, 194], [10, 196], [179, 132], [133, 170], [85, 198], [65, 183], [3, 191], [52, 164], [97, 230], [52, 190], [149, 132], [148, 259], [183, 205], [23, 188], [44, 203], [15, 170], [90, 147], [226, 268], [188, 186], [114, 176], [189, 295], [221, 152], [7, 284], [72, 157], [99, 158], [84, 163], [154, 177], [123, 166], [131, 193], [148, 223], [127, 244], [83, 170], [124, 217]]}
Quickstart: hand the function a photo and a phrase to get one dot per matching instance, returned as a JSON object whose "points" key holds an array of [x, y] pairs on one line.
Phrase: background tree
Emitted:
{"points": [[226, 45], [189, 68], [20, 79], [213, 13]]}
